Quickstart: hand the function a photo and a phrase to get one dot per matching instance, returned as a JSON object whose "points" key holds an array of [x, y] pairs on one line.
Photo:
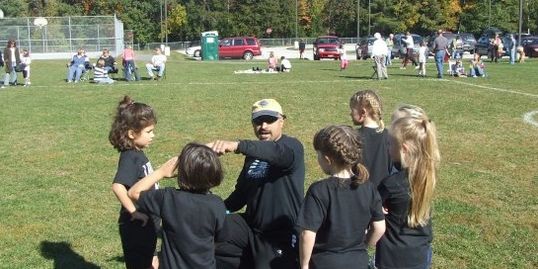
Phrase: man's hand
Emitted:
{"points": [[222, 147], [169, 168], [140, 216]]}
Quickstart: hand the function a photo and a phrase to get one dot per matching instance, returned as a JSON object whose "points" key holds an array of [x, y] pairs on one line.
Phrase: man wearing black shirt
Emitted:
{"points": [[271, 185]]}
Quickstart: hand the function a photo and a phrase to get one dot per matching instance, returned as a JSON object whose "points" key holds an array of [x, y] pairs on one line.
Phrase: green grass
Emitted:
{"points": [[57, 209]]}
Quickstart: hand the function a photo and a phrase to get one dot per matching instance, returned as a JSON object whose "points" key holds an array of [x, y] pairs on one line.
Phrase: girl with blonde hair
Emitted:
{"points": [[408, 194]]}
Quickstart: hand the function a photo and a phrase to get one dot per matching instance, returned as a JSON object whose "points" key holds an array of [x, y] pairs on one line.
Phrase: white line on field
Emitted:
{"points": [[495, 89], [529, 118]]}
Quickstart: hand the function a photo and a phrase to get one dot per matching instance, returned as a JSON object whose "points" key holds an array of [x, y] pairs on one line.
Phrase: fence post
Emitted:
{"points": [[29, 36], [98, 39], [70, 38]]}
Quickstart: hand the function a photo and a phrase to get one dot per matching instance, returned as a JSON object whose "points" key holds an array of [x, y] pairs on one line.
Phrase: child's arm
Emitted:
{"points": [[121, 193], [166, 170], [306, 244], [376, 231]]}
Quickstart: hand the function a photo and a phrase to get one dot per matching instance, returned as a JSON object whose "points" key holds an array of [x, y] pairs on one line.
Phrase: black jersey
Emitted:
{"points": [[191, 221], [271, 185], [376, 154], [401, 246], [340, 215], [132, 166]]}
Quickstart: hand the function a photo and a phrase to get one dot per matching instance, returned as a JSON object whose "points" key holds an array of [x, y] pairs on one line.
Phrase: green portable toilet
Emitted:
{"points": [[210, 46]]}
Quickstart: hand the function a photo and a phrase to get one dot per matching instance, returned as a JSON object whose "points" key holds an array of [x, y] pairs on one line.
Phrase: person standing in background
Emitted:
{"points": [[390, 45], [12, 58], [440, 44]]}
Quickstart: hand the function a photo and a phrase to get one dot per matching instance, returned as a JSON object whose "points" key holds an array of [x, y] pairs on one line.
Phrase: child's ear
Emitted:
{"points": [[404, 148], [131, 134], [328, 159]]}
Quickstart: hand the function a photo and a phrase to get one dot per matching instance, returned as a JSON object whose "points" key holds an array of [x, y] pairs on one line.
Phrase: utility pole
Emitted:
{"points": [[358, 20], [369, 21], [520, 21], [166, 20], [296, 17]]}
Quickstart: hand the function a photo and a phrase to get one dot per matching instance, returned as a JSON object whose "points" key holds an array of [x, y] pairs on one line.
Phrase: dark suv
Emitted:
{"points": [[239, 47], [327, 47]]}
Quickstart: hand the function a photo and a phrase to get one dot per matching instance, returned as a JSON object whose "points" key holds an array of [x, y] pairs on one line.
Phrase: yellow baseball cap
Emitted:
{"points": [[267, 107]]}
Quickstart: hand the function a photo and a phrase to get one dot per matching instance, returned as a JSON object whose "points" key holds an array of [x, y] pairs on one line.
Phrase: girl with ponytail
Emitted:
{"points": [[338, 209], [408, 194]]}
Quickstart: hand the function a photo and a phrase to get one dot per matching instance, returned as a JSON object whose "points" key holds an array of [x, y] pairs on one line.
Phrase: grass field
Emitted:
{"points": [[57, 209]]}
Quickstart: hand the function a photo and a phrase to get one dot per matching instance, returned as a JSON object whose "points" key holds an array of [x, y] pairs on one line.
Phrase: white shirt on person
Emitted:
{"points": [[379, 48], [158, 60], [422, 54], [409, 42], [285, 63]]}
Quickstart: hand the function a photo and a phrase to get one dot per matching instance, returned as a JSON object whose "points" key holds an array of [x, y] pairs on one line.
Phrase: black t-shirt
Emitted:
{"points": [[109, 61], [191, 221], [340, 216], [401, 246], [376, 154], [271, 185], [132, 166]]}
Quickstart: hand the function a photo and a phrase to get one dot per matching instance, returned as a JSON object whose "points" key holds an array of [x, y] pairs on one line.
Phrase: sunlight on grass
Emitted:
{"points": [[58, 166]]}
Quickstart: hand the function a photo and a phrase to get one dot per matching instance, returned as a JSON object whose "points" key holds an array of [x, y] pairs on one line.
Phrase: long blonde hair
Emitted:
{"points": [[421, 159]]}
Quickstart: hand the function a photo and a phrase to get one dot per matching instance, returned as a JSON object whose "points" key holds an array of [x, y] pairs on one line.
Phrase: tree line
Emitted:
{"points": [[185, 19]]}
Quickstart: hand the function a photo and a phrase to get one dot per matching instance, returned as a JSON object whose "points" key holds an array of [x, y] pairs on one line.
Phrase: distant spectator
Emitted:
{"points": [[302, 47], [100, 73], [343, 57], [422, 57], [477, 67], [458, 70], [410, 53], [129, 63], [511, 48], [77, 65], [25, 66], [456, 47], [272, 62], [110, 62], [390, 46], [158, 63], [521, 54], [497, 47], [439, 49], [285, 65], [379, 52], [12, 58]]}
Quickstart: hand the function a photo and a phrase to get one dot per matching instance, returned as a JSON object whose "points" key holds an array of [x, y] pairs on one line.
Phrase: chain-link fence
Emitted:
{"points": [[64, 35]]}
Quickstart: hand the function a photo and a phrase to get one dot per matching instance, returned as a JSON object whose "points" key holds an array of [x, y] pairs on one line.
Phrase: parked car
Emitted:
{"points": [[363, 49], [233, 47], [530, 46], [469, 42], [399, 49], [194, 51], [484, 45], [326, 47], [239, 47]]}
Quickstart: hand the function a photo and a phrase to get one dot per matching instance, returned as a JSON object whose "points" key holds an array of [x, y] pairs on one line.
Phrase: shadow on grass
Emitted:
{"points": [[359, 77], [63, 255]]}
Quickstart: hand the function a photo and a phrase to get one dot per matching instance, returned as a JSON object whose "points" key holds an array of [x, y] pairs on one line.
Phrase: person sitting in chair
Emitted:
{"points": [[78, 64], [110, 62], [157, 64]]}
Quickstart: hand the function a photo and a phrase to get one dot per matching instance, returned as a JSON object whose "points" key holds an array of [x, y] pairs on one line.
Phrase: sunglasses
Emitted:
{"points": [[264, 119]]}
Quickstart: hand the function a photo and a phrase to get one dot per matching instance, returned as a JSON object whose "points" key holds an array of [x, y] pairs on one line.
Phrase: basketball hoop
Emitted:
{"points": [[40, 22]]}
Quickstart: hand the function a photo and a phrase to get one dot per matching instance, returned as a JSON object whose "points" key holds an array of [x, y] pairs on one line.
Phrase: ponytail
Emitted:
{"points": [[360, 175], [421, 160]]}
